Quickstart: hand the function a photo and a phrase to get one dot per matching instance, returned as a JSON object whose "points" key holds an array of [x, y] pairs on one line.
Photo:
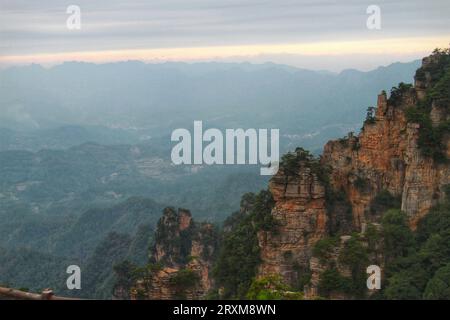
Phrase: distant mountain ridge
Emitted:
{"points": [[142, 100]]}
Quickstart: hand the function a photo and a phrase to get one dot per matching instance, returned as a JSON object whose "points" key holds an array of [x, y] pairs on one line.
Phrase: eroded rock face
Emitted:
{"points": [[387, 157], [181, 247], [373, 161], [300, 214], [384, 156]]}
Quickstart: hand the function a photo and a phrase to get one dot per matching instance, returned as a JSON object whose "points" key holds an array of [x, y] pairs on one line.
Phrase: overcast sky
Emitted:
{"points": [[313, 34]]}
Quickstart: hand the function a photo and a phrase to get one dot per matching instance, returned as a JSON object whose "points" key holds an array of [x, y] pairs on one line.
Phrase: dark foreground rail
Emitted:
{"points": [[47, 294]]}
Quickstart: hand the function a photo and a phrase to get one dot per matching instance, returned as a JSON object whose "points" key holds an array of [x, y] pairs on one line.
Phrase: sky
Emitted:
{"points": [[326, 35]]}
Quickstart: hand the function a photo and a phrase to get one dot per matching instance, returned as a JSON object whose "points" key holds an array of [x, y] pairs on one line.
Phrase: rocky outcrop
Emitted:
{"points": [[375, 160], [386, 155], [181, 259], [300, 216]]}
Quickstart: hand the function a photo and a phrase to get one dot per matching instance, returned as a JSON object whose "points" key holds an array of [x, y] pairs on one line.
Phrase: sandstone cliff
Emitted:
{"points": [[300, 213], [335, 196], [386, 155]]}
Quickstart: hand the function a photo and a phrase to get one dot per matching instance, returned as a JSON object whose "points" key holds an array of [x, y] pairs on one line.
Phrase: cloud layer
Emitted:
{"points": [[33, 28]]}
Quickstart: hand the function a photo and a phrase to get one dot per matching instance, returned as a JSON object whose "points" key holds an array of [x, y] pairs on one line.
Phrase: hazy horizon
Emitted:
{"points": [[212, 62]]}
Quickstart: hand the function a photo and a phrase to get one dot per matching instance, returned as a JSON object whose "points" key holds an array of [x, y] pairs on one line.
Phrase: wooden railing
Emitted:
{"points": [[47, 294]]}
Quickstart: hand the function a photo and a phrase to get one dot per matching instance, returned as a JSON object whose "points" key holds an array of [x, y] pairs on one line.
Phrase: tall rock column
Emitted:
{"points": [[301, 219]]}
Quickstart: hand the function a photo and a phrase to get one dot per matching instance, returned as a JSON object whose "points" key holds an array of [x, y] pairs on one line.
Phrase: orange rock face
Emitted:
{"points": [[301, 218], [384, 156], [387, 157]]}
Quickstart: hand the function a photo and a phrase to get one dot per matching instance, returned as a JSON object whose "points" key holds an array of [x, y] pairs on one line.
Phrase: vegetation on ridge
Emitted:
{"points": [[239, 258], [437, 74], [416, 263]]}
